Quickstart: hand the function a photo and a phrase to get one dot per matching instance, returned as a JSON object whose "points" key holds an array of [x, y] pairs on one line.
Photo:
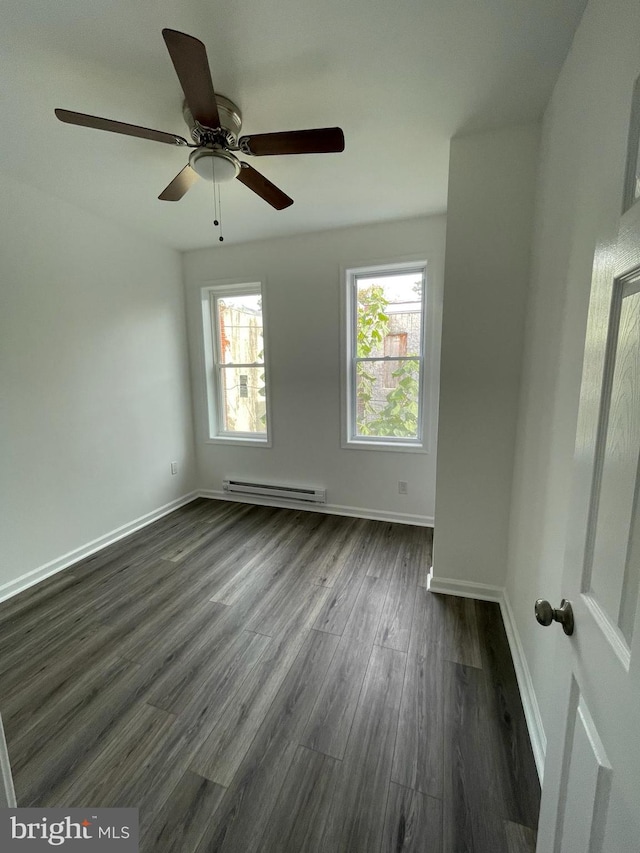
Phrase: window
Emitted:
{"points": [[235, 362], [385, 346]]}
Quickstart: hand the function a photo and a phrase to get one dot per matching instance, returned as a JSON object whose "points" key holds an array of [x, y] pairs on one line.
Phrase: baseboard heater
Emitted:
{"points": [[267, 490]]}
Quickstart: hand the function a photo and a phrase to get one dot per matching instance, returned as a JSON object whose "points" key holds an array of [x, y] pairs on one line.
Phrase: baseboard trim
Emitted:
{"points": [[486, 592], [8, 590], [329, 509], [525, 683], [465, 589]]}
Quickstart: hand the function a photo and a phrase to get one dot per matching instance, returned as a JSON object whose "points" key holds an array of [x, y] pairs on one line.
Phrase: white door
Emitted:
{"points": [[591, 791], [7, 794]]}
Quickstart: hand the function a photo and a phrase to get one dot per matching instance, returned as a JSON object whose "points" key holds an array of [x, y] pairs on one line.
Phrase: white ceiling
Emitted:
{"points": [[401, 77]]}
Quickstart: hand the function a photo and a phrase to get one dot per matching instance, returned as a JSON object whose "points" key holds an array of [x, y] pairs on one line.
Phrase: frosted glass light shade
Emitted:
{"points": [[218, 165]]}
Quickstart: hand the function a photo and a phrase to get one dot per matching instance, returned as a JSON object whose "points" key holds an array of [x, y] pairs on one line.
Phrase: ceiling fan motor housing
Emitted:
{"points": [[230, 122]]}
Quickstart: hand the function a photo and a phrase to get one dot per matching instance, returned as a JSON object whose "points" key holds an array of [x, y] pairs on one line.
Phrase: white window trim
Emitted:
{"points": [[349, 440], [212, 391]]}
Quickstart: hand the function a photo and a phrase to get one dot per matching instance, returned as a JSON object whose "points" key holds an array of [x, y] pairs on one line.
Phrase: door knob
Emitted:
{"points": [[546, 614]]}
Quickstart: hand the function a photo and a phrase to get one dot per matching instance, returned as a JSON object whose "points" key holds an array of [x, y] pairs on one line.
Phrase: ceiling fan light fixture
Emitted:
{"points": [[214, 164]]}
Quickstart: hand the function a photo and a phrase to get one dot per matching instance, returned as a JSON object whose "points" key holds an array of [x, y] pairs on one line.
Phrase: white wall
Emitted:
{"points": [[591, 98], [302, 298], [93, 379], [489, 219]]}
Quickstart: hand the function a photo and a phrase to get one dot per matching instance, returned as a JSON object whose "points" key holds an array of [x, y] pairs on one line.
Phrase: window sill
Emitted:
{"points": [[395, 446], [243, 441]]}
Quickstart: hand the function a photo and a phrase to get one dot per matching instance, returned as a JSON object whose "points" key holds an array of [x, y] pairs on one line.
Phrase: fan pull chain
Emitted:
{"points": [[220, 238], [217, 207]]}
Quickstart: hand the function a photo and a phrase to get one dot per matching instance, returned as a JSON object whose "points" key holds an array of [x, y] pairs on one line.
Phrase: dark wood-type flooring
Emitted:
{"points": [[259, 679]]}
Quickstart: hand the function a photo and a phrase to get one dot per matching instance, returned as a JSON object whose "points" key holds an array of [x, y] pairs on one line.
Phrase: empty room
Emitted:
{"points": [[319, 521]]}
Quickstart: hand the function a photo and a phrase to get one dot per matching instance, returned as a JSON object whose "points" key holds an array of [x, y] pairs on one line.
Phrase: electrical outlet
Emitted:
{"points": [[403, 487], [174, 467]]}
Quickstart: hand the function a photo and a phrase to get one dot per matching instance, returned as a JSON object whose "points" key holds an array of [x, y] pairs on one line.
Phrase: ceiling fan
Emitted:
{"points": [[215, 122]]}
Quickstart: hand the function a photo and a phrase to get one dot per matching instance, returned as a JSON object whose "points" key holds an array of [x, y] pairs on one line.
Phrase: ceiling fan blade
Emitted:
{"points": [[264, 188], [323, 140], [179, 185], [189, 57], [98, 123]]}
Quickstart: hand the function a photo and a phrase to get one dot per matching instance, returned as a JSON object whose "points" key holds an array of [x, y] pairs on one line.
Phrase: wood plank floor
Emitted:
{"points": [[257, 679]]}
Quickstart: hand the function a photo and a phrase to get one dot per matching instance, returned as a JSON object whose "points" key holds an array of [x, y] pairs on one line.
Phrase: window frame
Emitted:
{"points": [[350, 438], [213, 364]]}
